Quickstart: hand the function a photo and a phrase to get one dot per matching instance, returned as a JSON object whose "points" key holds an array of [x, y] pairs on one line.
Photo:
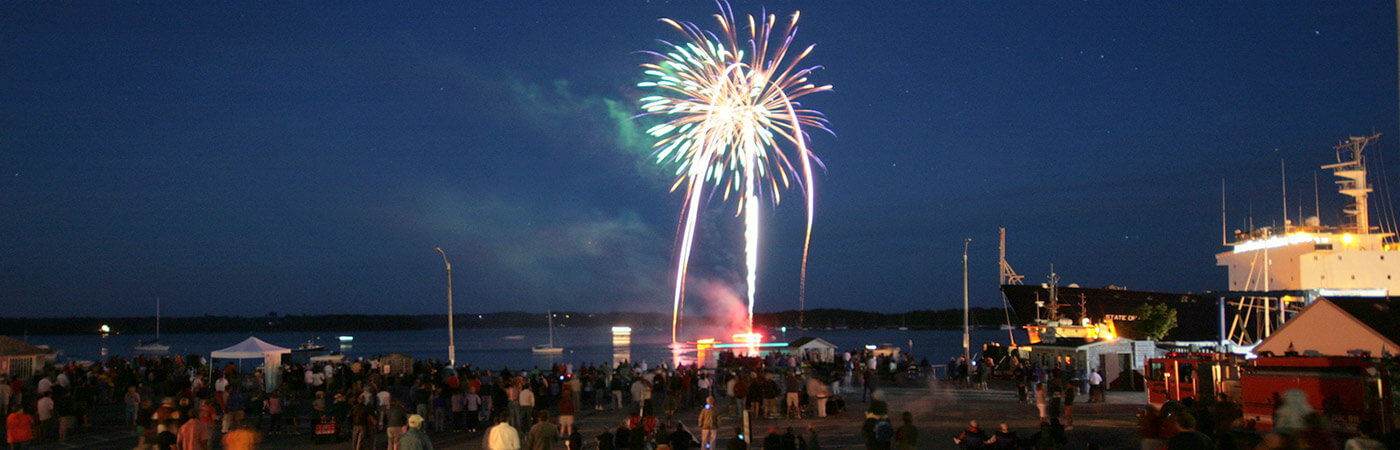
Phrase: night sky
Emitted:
{"points": [[237, 158]]}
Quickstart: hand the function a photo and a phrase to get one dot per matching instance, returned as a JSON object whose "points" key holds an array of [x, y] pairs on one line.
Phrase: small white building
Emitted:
{"points": [[813, 349], [1122, 361]]}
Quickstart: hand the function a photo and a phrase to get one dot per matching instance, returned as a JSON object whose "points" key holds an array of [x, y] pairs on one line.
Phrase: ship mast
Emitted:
{"points": [[1353, 170], [1351, 167], [1008, 275]]}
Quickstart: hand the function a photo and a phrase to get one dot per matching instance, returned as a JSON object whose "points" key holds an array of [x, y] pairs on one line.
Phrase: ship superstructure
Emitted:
{"points": [[1351, 259], [1274, 272]]}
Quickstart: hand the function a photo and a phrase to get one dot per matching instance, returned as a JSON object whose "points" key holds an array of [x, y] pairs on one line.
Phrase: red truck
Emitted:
{"points": [[1346, 389], [1179, 376]]}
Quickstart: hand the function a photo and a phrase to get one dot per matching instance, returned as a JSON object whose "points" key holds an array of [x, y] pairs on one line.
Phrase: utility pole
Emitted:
{"points": [[967, 337], [451, 340]]}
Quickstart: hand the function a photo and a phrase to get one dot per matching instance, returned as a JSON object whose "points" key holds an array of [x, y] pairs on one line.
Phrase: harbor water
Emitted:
{"points": [[510, 347]]}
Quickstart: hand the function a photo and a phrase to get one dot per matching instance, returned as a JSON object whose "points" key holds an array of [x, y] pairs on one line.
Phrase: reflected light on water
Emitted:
{"points": [[622, 345]]}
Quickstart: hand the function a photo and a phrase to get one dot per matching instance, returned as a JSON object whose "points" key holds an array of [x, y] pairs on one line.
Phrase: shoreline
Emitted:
{"points": [[816, 320]]}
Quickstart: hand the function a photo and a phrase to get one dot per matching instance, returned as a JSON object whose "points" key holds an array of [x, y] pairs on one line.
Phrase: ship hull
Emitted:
{"points": [[1198, 315]]}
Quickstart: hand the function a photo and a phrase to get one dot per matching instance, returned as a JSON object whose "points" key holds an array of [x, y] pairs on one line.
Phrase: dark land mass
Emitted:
{"points": [[818, 318]]}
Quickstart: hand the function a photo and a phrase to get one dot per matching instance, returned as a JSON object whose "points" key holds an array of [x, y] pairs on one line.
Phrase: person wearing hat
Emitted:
{"points": [[414, 438]]}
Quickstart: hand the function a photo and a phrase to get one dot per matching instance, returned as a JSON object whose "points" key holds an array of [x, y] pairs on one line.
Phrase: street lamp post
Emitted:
{"points": [[451, 340], [967, 349]]}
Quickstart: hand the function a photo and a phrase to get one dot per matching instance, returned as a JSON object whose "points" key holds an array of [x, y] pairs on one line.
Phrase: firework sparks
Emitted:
{"points": [[726, 109]]}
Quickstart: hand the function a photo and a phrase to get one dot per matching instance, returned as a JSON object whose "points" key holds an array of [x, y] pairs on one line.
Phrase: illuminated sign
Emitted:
{"points": [[1280, 241], [748, 337], [1377, 292], [765, 345]]}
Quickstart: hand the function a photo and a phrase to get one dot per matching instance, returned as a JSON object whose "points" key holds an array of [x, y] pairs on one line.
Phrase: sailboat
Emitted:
{"points": [[548, 349], [154, 346]]}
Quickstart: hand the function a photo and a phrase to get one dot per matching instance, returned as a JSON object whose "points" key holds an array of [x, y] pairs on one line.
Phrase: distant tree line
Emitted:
{"points": [[817, 318]]}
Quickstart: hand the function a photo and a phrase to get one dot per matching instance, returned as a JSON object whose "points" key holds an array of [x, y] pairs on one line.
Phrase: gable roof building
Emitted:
{"points": [[813, 349], [20, 359], [1339, 326]]}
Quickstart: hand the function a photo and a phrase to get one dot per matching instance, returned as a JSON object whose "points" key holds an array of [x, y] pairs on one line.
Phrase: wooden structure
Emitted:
{"points": [[20, 359]]}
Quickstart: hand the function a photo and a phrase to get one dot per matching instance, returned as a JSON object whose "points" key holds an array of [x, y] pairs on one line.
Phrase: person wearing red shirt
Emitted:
{"points": [[452, 381], [19, 427], [208, 417]]}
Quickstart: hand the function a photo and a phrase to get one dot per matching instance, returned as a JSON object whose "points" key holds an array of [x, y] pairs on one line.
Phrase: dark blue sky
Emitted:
{"points": [[306, 157]]}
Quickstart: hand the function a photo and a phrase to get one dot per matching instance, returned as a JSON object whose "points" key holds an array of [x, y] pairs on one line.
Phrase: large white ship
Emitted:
{"points": [[1275, 271]]}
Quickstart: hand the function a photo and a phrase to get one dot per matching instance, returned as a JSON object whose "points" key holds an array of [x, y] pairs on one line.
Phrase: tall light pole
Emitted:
{"points": [[451, 340], [967, 338]]}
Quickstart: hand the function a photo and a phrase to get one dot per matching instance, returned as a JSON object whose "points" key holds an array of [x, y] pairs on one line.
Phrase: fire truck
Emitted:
{"points": [[1179, 376], [1346, 389]]}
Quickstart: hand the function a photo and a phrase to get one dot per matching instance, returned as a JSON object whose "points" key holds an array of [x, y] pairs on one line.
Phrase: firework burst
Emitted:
{"points": [[726, 109]]}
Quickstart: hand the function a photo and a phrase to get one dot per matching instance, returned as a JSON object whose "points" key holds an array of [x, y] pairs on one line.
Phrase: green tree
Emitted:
{"points": [[1154, 321]]}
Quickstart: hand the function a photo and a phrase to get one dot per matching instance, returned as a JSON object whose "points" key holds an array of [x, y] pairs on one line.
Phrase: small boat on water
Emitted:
{"points": [[548, 349], [153, 346], [310, 346]]}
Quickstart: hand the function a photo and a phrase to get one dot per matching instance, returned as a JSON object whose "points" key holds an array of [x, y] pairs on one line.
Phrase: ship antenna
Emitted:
{"points": [[1301, 222], [1283, 180], [1251, 218], [1317, 210], [1224, 227]]}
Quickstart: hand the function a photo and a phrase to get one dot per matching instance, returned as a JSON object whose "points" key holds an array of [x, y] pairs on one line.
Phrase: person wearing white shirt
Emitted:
{"points": [[527, 406], [45, 385], [502, 436], [44, 409], [1095, 387], [368, 398], [382, 399]]}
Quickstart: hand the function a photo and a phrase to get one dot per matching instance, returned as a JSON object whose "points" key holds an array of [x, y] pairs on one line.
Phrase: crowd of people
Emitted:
{"points": [[185, 402], [1053, 388]]}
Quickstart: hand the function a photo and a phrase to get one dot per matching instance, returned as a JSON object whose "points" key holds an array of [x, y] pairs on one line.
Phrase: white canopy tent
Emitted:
{"points": [[254, 348]]}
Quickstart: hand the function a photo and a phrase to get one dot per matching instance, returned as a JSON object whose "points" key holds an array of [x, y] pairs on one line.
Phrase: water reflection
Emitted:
{"points": [[622, 345]]}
